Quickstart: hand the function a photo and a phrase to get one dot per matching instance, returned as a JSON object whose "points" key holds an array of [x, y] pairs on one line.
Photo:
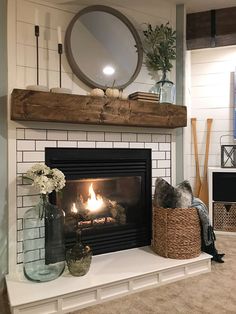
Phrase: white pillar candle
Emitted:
{"points": [[59, 35], [36, 17]]}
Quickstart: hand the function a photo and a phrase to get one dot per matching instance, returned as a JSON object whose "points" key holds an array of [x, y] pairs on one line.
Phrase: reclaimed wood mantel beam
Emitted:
{"points": [[28, 105]]}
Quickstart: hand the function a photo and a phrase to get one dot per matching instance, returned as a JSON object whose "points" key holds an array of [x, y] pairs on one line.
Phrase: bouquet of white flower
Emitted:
{"points": [[46, 179]]}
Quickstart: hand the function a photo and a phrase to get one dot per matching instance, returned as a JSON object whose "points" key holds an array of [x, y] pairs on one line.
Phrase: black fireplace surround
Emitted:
{"points": [[123, 178]]}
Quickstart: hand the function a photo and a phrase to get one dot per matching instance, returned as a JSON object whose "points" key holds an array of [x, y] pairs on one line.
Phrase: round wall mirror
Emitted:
{"points": [[103, 48]]}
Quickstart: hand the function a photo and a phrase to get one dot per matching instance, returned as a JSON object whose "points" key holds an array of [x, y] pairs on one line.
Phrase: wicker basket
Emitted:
{"points": [[224, 217], [176, 232]]}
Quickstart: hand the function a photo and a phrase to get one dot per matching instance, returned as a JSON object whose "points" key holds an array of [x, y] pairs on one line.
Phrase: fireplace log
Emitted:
{"points": [[27, 105]]}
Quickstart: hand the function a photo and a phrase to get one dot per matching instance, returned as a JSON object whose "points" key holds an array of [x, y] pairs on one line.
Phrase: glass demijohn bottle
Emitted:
{"points": [[43, 241]]}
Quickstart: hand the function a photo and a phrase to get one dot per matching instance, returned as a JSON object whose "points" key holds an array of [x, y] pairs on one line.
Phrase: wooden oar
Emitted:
{"points": [[203, 194], [198, 178]]}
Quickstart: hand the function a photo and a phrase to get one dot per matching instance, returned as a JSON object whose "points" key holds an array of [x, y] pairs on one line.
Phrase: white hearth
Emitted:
{"points": [[111, 275]]}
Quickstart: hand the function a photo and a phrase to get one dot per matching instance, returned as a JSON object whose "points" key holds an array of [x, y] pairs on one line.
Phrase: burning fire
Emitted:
{"points": [[94, 202], [74, 209]]}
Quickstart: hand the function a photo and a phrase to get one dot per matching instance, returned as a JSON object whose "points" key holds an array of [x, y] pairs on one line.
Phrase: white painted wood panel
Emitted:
{"points": [[210, 55], [211, 79], [135, 269], [210, 102], [211, 96]]}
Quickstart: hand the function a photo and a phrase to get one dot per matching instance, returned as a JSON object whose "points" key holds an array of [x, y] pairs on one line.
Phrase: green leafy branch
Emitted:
{"points": [[159, 47]]}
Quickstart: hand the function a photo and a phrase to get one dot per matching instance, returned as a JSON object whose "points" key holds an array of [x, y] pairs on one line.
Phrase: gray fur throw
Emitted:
{"points": [[167, 196]]}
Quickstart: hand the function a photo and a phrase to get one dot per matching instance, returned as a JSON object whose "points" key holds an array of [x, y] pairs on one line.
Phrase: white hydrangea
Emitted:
{"points": [[45, 179], [58, 179]]}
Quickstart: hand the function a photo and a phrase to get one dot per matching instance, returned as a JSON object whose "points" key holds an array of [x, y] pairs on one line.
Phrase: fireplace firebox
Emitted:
{"points": [[107, 195]]}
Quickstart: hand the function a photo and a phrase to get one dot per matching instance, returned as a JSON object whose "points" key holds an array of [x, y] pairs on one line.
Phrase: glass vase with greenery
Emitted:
{"points": [[159, 46]]}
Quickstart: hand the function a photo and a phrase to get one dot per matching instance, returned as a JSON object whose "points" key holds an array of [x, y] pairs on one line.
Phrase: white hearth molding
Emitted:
{"points": [[111, 276]]}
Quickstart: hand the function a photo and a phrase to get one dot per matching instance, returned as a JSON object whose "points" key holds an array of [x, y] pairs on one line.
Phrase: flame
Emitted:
{"points": [[74, 209], [94, 202]]}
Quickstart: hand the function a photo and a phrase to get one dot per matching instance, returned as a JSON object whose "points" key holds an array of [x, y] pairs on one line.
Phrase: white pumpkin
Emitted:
{"points": [[112, 92], [97, 92]]}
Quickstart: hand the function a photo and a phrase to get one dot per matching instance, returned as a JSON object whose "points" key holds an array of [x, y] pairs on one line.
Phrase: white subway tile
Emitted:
{"points": [[33, 156], [19, 258], [164, 146], [77, 135], [57, 135], [25, 145], [19, 156], [121, 145], [42, 232], [42, 253], [167, 179], [163, 163], [36, 134], [30, 200], [19, 180], [158, 172], [67, 144], [19, 201], [20, 134], [31, 233], [136, 145], [20, 235], [153, 146], [19, 247], [129, 137], [26, 194], [153, 181], [21, 211], [86, 144], [19, 224], [96, 136], [40, 145], [158, 138], [31, 256], [31, 244], [144, 137], [158, 155], [153, 190], [26, 189], [167, 172], [168, 138], [113, 137], [167, 155], [104, 144]]}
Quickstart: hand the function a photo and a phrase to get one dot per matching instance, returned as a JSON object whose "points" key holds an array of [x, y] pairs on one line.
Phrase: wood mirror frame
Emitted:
{"points": [[137, 49]]}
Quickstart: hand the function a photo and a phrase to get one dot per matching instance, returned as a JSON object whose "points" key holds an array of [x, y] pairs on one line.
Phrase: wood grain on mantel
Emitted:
{"points": [[28, 105]]}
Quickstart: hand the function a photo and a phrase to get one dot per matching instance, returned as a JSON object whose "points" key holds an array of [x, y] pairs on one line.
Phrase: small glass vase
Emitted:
{"points": [[165, 89], [79, 257], [43, 241]]}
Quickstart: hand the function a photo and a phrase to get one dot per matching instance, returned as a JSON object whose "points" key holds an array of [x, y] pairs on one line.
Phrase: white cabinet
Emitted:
{"points": [[222, 198]]}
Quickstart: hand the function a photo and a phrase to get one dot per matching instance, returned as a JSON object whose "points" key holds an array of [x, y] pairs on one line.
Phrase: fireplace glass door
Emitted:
{"points": [[107, 197]]}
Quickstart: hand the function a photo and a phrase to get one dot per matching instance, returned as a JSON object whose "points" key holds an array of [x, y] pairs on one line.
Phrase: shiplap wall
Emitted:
{"points": [[49, 18], [211, 96]]}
